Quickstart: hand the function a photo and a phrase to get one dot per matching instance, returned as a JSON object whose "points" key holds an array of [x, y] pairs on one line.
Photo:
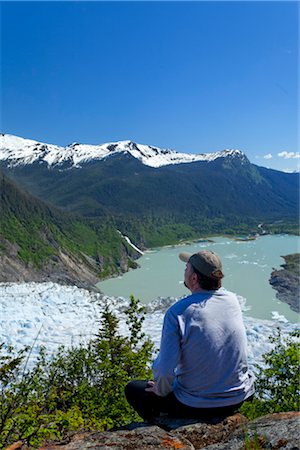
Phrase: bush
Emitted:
{"points": [[278, 384], [78, 388]]}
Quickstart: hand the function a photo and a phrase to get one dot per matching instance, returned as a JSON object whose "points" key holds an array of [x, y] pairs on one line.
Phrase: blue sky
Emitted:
{"points": [[196, 77]]}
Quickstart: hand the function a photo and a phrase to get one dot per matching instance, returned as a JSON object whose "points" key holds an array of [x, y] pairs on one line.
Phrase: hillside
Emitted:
{"points": [[155, 196], [42, 243]]}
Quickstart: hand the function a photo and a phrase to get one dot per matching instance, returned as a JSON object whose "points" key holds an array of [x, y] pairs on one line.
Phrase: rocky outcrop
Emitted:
{"points": [[287, 281], [275, 431], [144, 438], [62, 268], [41, 243], [201, 434]]}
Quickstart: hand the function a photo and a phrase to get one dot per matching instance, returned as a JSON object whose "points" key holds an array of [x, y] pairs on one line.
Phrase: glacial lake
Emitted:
{"points": [[247, 266]]}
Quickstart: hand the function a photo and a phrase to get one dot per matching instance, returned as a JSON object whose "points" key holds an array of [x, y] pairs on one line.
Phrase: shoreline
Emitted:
{"points": [[286, 281], [208, 238], [202, 239]]}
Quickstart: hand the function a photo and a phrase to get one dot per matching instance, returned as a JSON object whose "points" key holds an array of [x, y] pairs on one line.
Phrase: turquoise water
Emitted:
{"points": [[247, 266]]}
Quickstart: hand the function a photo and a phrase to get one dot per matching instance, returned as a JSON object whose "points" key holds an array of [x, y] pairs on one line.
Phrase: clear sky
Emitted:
{"points": [[195, 76]]}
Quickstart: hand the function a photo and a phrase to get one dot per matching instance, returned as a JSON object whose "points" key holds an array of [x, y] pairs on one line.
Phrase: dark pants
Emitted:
{"points": [[149, 405]]}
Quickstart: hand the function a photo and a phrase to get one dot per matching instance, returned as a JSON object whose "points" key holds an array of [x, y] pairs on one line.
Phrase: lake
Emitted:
{"points": [[247, 266]]}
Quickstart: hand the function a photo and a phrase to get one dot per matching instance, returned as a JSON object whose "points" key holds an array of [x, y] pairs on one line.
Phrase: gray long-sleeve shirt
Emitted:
{"points": [[203, 353]]}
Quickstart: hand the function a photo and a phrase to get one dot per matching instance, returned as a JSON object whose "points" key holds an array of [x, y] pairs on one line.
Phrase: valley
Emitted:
{"points": [[67, 212]]}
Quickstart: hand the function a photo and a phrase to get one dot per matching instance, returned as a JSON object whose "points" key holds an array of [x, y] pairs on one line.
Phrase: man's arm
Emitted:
{"points": [[169, 355]]}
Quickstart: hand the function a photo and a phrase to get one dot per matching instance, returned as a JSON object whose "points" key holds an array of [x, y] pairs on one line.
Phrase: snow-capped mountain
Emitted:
{"points": [[18, 151], [135, 183]]}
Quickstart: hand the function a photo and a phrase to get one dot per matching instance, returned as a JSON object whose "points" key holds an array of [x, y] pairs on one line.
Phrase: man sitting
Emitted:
{"points": [[201, 370]]}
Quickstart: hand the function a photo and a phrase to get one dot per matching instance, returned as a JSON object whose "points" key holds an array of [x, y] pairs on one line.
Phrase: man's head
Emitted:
{"points": [[203, 268]]}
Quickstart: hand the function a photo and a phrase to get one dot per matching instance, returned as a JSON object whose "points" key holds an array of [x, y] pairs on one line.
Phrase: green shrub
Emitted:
{"points": [[278, 384], [78, 388]]}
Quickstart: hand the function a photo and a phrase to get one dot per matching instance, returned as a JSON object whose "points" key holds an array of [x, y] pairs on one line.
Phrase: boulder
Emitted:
{"points": [[163, 433], [141, 438], [275, 431]]}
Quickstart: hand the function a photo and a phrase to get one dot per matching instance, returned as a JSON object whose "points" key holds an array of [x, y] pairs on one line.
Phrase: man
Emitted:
{"points": [[201, 370]]}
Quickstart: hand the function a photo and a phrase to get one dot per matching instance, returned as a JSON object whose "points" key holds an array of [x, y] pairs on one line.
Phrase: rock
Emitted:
{"points": [[62, 268], [274, 431], [142, 438], [203, 434], [184, 434], [287, 281]]}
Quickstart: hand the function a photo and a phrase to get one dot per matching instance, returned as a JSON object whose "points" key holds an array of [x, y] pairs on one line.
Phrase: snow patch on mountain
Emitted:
{"points": [[18, 151], [130, 243]]}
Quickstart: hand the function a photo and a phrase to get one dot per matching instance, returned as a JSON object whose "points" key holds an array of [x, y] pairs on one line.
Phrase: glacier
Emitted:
{"points": [[51, 315]]}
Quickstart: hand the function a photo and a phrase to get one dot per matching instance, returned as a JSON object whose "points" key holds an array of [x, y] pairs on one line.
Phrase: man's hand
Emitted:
{"points": [[151, 387]]}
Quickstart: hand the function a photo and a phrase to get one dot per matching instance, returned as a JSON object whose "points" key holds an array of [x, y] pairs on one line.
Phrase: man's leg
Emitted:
{"points": [[146, 404], [149, 405]]}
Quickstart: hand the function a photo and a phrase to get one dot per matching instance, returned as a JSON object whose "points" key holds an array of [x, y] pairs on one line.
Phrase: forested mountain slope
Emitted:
{"points": [[153, 195], [42, 243]]}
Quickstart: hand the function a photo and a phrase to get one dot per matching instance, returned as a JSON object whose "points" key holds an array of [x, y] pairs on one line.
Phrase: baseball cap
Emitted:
{"points": [[206, 262]]}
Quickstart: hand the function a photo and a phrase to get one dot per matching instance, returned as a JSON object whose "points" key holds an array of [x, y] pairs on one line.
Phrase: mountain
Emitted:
{"points": [[155, 196], [18, 151], [42, 243]]}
